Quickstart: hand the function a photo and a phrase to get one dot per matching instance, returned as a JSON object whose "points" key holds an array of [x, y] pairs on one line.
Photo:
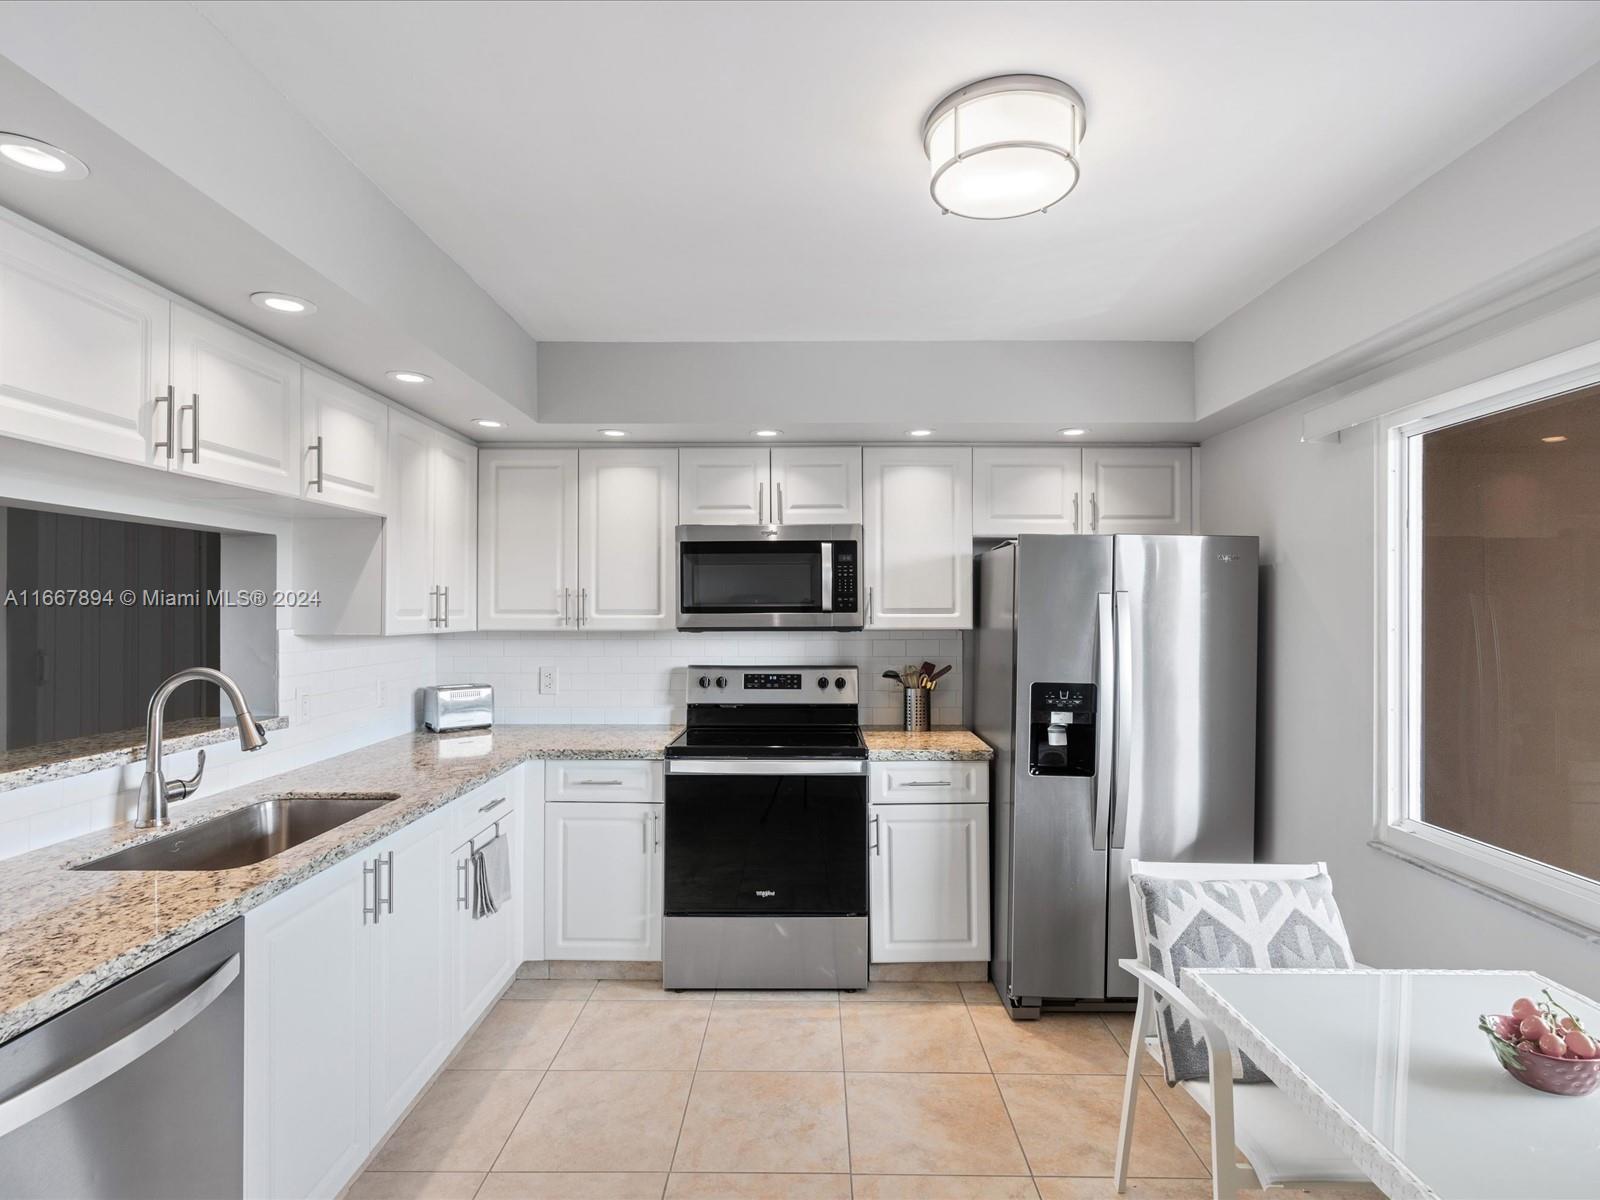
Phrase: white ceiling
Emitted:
{"points": [[753, 171]]}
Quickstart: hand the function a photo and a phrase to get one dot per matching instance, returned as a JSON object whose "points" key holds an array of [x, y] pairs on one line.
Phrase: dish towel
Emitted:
{"points": [[491, 876]]}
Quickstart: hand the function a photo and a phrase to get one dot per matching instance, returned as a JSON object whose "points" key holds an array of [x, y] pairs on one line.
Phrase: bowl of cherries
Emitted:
{"points": [[1541, 1044]]}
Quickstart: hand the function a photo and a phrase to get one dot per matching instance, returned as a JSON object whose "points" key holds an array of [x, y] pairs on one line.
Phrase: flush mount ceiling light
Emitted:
{"points": [[1554, 438], [409, 377], [613, 433], [488, 423], [766, 433], [1004, 147], [282, 302], [1074, 432], [919, 433], [40, 158]]}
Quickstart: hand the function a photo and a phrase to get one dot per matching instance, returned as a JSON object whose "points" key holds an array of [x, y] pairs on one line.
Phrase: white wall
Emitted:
{"points": [[1313, 505], [638, 678]]}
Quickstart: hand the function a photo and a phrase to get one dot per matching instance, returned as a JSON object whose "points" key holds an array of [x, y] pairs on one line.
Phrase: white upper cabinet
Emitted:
{"points": [[83, 353], [238, 406], [627, 520], [1138, 489], [430, 539], [722, 485], [918, 537], [816, 485], [527, 539], [344, 444], [1032, 489]]}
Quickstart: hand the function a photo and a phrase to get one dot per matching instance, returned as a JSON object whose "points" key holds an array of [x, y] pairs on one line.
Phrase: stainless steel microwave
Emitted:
{"points": [[769, 577]]}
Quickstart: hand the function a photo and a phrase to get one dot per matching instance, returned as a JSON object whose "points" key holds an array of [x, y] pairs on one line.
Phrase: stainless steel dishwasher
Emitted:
{"points": [[138, 1092]]}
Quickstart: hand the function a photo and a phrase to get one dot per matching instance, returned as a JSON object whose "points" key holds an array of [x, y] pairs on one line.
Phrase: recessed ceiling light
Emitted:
{"points": [[1004, 147], [919, 433], [1074, 432], [409, 377], [488, 423], [766, 433], [282, 302], [1554, 438], [613, 433], [41, 158]]}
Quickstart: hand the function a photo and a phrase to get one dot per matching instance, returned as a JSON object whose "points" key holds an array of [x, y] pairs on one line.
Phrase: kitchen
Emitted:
{"points": [[536, 667]]}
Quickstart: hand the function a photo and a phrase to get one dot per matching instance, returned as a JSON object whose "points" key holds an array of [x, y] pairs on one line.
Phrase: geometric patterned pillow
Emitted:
{"points": [[1234, 923]]}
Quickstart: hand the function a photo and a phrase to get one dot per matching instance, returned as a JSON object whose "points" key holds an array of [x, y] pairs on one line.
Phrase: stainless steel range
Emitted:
{"points": [[766, 832]]}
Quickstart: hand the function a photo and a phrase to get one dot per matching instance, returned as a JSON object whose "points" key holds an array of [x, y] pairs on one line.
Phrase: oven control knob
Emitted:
{"points": [[839, 683], [822, 681], [722, 681], [705, 681]]}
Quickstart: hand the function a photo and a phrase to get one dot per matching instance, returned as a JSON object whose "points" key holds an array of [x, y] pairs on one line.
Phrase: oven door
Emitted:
{"points": [[768, 577], [766, 838]]}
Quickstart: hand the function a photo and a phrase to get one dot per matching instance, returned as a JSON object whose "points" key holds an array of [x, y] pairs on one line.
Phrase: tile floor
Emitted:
{"points": [[611, 1090]]}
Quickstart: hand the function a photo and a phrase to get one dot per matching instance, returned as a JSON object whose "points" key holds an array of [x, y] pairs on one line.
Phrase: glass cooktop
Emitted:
{"points": [[750, 742]]}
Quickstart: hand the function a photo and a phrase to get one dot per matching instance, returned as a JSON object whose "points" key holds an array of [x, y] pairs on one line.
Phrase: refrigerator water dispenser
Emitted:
{"points": [[1061, 729]]}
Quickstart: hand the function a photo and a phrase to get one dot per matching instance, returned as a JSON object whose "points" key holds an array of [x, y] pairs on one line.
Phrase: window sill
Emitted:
{"points": [[1558, 898]]}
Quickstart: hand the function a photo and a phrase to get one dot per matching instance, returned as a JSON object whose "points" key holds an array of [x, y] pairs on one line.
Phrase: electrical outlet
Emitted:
{"points": [[547, 681]]}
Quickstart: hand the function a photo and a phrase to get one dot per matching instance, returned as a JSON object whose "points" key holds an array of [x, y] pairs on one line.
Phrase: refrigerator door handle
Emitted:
{"points": [[1106, 726], [1124, 738]]}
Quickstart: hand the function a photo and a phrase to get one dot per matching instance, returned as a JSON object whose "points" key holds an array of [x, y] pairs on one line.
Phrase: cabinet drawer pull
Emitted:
{"points": [[597, 783], [492, 805], [927, 783]]}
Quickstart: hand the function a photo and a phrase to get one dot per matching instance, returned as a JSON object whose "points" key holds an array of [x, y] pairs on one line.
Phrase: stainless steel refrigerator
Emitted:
{"points": [[1115, 676]]}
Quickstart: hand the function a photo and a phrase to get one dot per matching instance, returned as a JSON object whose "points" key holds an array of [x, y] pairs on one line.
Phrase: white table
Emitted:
{"points": [[1392, 1067]]}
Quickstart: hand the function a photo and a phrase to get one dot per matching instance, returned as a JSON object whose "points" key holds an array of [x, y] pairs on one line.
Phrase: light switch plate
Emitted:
{"points": [[547, 681]]}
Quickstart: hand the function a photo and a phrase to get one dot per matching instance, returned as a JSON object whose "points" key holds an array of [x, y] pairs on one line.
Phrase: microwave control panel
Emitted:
{"points": [[844, 577]]}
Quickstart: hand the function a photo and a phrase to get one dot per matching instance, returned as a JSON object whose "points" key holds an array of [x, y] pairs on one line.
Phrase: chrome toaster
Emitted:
{"points": [[458, 706]]}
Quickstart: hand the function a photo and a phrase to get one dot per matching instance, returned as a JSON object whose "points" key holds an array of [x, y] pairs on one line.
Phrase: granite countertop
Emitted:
{"points": [[65, 934], [29, 765], [896, 745]]}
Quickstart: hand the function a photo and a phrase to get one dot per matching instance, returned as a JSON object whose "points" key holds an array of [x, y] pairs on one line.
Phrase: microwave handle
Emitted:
{"points": [[827, 576]]}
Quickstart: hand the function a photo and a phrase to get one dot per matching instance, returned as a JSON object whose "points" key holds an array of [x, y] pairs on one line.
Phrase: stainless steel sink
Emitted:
{"points": [[246, 835]]}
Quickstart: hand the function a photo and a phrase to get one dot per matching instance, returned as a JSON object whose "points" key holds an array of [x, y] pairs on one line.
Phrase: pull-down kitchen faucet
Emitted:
{"points": [[156, 791]]}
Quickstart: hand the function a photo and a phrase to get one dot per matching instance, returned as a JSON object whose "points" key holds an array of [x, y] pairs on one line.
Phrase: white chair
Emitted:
{"points": [[1281, 1146]]}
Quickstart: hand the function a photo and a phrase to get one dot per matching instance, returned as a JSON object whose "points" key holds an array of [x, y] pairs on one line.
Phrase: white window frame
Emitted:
{"points": [[1398, 824]]}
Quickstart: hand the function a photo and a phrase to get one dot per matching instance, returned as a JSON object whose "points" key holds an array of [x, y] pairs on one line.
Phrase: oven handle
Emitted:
{"points": [[766, 766]]}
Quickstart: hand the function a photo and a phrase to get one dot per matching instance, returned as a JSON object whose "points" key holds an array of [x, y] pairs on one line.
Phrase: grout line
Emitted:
{"points": [[694, 1077], [995, 1079], [844, 1085]]}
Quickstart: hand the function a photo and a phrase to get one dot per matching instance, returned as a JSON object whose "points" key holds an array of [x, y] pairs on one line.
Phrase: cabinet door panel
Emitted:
{"points": [[1025, 490], [83, 352], [354, 429], [307, 1104], [455, 531], [930, 877], [488, 949], [724, 486], [602, 881], [1138, 489], [408, 604], [816, 485], [527, 539], [627, 518], [238, 406], [919, 537]]}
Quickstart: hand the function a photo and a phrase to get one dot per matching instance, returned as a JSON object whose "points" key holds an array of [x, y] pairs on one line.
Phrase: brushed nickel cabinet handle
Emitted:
{"points": [[1094, 512], [444, 608], [655, 824], [597, 783], [926, 783], [1075, 527], [761, 504], [583, 606], [388, 895], [193, 409], [172, 412], [461, 883], [492, 805], [316, 448], [876, 838], [369, 871], [779, 488]]}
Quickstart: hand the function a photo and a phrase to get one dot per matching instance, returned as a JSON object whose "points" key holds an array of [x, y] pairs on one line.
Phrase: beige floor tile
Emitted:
{"points": [[549, 989], [944, 1187], [910, 1037], [756, 1121], [936, 972], [980, 993], [732, 996], [1138, 1189], [647, 989], [772, 1037], [1068, 1126], [460, 1123], [518, 1035], [415, 1185], [619, 1035], [1186, 1114], [685, 1186], [892, 991], [1121, 1026], [1055, 1044], [599, 1121], [903, 1124], [573, 1185]]}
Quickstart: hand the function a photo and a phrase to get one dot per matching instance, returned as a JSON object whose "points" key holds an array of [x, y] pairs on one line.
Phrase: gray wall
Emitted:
{"points": [[1314, 507]]}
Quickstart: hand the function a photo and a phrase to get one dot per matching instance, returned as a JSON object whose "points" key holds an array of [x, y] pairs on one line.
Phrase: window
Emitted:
{"points": [[1493, 722]]}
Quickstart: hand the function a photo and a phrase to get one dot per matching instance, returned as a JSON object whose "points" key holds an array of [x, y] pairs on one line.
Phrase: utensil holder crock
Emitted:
{"points": [[917, 710]]}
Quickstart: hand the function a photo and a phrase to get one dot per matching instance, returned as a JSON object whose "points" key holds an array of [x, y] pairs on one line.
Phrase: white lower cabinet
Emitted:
{"points": [[929, 868], [603, 880], [488, 948]]}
